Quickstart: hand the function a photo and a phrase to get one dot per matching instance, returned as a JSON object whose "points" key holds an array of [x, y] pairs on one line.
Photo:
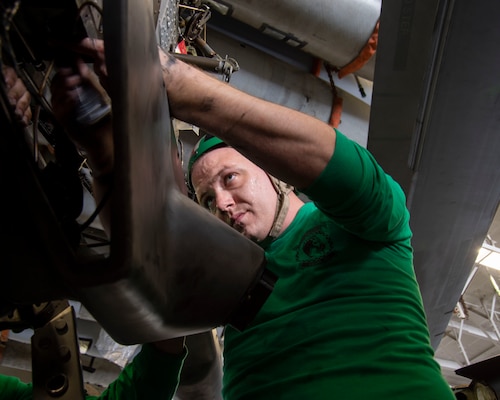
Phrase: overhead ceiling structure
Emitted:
{"points": [[473, 332]]}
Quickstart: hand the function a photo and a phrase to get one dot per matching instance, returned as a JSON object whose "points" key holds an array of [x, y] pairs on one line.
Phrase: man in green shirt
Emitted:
{"points": [[345, 320]]}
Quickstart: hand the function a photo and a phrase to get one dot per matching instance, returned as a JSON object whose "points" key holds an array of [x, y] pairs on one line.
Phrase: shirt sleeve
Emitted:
{"points": [[357, 194], [151, 375], [12, 388]]}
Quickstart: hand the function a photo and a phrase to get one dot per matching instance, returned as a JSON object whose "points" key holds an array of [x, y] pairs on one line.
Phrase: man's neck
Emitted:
{"points": [[295, 205]]}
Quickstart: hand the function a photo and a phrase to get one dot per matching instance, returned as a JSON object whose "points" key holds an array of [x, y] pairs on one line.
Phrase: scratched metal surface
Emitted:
{"points": [[182, 270]]}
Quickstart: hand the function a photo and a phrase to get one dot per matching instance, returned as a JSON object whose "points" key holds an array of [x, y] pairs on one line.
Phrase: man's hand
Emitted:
{"points": [[68, 87], [18, 95], [94, 48], [95, 140], [64, 89]]}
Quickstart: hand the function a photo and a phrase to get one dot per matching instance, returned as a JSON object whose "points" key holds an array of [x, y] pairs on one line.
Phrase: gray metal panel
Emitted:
{"points": [[182, 270], [445, 100], [403, 56]]}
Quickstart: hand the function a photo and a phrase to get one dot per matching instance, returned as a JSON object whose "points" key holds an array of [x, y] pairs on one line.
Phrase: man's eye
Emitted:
{"points": [[229, 178]]}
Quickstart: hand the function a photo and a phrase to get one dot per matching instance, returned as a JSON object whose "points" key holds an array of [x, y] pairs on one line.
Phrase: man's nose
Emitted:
{"points": [[223, 201]]}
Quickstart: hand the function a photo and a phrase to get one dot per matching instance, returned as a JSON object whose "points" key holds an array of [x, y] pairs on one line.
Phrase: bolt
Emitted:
{"points": [[64, 353], [61, 326]]}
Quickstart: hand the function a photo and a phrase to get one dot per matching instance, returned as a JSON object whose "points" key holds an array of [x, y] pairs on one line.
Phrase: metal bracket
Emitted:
{"points": [[56, 365]]}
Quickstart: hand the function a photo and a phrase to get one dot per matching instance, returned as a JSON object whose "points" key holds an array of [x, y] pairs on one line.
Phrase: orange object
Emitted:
{"points": [[4, 336], [336, 112], [365, 54], [317, 65]]}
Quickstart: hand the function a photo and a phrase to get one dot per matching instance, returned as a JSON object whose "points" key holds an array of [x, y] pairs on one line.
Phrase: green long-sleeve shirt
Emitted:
{"points": [[151, 375]]}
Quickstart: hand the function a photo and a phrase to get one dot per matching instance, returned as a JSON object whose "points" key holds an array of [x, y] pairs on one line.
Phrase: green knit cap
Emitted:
{"points": [[207, 143]]}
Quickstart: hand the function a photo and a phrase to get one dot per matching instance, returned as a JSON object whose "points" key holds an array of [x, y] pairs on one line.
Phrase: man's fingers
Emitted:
{"points": [[82, 68], [87, 48], [18, 95], [10, 76], [64, 93], [23, 105], [95, 49], [66, 78], [90, 46]]}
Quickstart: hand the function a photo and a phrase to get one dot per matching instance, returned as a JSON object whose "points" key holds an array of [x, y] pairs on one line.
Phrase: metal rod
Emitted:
{"points": [[459, 341]]}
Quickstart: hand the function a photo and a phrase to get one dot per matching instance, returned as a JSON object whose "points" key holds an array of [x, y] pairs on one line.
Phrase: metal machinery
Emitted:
{"points": [[141, 286], [433, 121]]}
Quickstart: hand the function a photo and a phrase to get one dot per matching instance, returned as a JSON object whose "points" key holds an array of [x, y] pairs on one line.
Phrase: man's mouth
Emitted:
{"points": [[235, 221]]}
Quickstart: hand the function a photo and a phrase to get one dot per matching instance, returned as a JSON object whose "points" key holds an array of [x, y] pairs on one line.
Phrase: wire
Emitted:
{"points": [[360, 86], [7, 17], [101, 241], [97, 210], [36, 117]]}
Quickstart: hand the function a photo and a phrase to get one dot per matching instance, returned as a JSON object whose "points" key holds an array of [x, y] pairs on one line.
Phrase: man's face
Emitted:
{"points": [[236, 191]]}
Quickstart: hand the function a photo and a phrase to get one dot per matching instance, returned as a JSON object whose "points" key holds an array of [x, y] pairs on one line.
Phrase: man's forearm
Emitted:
{"points": [[272, 136]]}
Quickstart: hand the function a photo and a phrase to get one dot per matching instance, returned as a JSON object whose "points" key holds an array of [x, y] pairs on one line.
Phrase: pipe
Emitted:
{"points": [[333, 30], [460, 344]]}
